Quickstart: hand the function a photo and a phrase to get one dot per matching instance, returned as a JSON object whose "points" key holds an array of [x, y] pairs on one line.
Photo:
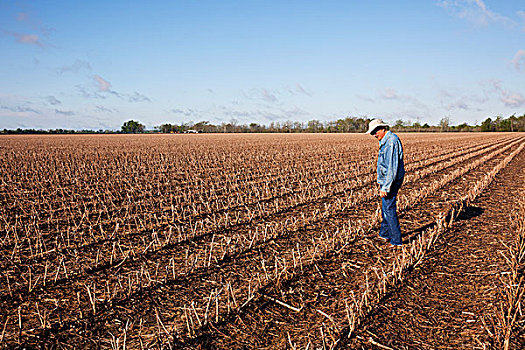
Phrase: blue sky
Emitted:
{"points": [[95, 64]]}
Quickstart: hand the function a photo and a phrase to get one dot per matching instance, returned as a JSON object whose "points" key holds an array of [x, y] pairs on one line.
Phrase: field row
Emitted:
{"points": [[169, 273], [158, 245]]}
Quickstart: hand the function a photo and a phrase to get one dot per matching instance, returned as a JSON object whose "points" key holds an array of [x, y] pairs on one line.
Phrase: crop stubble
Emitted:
{"points": [[208, 240]]}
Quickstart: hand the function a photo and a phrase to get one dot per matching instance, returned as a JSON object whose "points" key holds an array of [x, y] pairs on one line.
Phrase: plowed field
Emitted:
{"points": [[259, 242]]}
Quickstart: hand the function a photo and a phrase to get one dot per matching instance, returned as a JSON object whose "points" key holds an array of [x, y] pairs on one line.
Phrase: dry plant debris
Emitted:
{"points": [[244, 241]]}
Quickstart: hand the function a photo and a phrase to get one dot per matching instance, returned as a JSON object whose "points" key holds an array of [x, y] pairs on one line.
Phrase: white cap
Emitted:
{"points": [[374, 124]]}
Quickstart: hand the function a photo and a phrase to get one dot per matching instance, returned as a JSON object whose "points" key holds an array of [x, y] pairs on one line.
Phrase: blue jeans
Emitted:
{"points": [[390, 224]]}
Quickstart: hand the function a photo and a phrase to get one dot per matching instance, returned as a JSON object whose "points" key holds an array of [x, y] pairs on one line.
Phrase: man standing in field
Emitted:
{"points": [[390, 174]]}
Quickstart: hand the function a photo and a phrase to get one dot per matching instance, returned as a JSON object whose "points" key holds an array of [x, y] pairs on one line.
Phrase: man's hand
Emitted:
{"points": [[383, 194]]}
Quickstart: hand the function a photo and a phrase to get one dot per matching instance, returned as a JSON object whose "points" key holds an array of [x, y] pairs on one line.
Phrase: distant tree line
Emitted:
{"points": [[349, 124], [54, 131], [342, 125], [132, 127], [511, 123], [129, 127]]}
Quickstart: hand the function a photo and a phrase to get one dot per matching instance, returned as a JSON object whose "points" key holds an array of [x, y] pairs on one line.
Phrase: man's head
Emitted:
{"points": [[379, 133], [377, 128]]}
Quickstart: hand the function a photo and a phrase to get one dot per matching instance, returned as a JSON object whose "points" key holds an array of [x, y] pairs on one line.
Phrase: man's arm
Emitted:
{"points": [[392, 160]]}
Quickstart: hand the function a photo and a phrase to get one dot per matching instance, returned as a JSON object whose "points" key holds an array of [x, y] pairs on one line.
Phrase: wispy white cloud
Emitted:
{"points": [[365, 98], [34, 23], [446, 94], [89, 93], [389, 94], [512, 99], [496, 84], [103, 85], [459, 104], [268, 96], [104, 109], [274, 96], [76, 67], [456, 100], [53, 100], [509, 98], [30, 39], [299, 88], [246, 115], [136, 97], [66, 113], [103, 90], [36, 30], [187, 112], [294, 113], [474, 11], [260, 94], [519, 59], [392, 94], [20, 109], [267, 114]]}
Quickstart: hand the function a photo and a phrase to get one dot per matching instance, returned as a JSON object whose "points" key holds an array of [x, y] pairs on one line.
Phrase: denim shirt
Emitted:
{"points": [[390, 166]]}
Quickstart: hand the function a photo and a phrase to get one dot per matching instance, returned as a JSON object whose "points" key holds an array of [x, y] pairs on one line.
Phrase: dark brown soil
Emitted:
{"points": [[448, 299], [439, 307]]}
